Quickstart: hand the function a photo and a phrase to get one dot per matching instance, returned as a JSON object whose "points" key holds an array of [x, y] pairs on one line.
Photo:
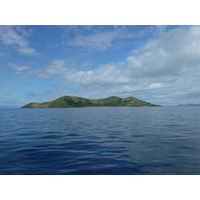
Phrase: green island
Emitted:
{"points": [[72, 101]]}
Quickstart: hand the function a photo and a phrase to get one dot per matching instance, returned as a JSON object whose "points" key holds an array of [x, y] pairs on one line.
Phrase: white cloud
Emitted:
{"points": [[10, 37], [105, 75], [27, 51], [174, 53], [17, 67], [99, 39], [56, 66], [155, 85], [38, 74]]}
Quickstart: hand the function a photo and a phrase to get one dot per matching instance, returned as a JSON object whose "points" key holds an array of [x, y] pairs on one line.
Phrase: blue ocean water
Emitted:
{"points": [[100, 141]]}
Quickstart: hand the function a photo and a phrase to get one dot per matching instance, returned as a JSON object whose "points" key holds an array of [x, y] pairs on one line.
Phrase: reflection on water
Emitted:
{"points": [[157, 140]]}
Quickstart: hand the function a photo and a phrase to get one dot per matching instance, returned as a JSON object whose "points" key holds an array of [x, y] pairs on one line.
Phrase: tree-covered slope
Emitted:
{"points": [[71, 101]]}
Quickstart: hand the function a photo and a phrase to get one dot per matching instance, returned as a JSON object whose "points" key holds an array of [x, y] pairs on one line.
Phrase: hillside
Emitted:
{"points": [[71, 101]]}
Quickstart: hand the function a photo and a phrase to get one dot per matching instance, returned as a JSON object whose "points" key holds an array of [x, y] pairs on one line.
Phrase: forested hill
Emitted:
{"points": [[72, 101]]}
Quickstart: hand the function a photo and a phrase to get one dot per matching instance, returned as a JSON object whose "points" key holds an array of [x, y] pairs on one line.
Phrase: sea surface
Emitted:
{"points": [[100, 141]]}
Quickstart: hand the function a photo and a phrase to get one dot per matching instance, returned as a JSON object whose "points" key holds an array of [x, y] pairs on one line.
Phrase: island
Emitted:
{"points": [[72, 101]]}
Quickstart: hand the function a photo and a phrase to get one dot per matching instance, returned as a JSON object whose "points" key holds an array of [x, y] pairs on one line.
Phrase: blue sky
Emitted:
{"points": [[158, 64]]}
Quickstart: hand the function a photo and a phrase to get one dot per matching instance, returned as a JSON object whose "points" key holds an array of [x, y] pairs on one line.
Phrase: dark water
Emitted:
{"points": [[149, 141]]}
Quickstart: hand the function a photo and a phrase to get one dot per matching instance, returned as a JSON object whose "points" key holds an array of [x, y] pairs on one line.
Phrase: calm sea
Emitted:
{"points": [[100, 141]]}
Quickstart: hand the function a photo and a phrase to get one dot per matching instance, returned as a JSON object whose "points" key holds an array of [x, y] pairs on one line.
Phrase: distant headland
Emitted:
{"points": [[72, 101]]}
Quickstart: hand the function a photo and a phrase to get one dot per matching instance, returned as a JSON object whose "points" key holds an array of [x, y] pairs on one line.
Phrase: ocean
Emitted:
{"points": [[100, 141]]}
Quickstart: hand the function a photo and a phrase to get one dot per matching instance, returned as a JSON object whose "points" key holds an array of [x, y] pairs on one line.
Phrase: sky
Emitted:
{"points": [[158, 64]]}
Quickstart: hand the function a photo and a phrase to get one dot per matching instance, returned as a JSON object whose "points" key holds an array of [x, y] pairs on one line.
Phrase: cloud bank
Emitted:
{"points": [[15, 37]]}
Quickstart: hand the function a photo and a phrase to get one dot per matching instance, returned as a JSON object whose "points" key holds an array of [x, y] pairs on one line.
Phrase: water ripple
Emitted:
{"points": [[100, 141]]}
